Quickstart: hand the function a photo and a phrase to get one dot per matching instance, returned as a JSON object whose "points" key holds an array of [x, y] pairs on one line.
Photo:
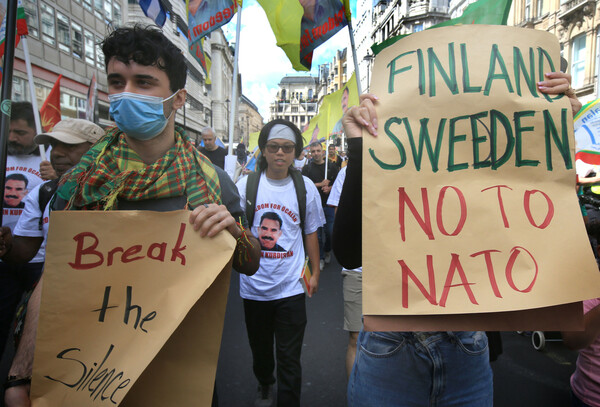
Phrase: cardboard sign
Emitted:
{"points": [[132, 309], [469, 201]]}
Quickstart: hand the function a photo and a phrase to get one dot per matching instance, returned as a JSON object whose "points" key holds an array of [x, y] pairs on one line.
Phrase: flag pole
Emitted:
{"points": [[7, 78], [36, 111], [357, 72], [233, 112], [354, 57]]}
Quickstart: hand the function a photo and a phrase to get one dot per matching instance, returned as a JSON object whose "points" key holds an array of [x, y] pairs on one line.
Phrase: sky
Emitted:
{"points": [[263, 64]]}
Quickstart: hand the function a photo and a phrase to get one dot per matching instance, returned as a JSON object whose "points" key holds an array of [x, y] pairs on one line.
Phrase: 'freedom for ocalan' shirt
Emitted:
{"points": [[277, 226]]}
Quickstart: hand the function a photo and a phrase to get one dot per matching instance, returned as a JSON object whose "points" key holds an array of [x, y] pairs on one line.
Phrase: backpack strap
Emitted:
{"points": [[300, 195], [251, 191], [46, 192]]}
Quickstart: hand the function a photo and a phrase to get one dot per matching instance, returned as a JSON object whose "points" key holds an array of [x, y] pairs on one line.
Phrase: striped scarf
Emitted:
{"points": [[111, 170]]}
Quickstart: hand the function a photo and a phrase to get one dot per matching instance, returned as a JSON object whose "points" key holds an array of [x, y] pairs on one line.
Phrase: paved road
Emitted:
{"points": [[522, 376]]}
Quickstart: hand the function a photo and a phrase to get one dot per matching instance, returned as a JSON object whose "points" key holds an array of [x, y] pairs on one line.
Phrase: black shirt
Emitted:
{"points": [[316, 172], [217, 157]]}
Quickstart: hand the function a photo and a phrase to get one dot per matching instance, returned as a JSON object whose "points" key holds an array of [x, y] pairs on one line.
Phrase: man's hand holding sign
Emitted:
{"points": [[471, 158]]}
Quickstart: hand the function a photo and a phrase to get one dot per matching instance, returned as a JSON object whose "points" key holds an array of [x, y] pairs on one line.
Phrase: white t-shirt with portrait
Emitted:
{"points": [[29, 167], [280, 267], [29, 222]]}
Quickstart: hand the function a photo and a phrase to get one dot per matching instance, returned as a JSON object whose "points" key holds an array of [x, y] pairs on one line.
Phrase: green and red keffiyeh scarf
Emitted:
{"points": [[111, 170]]}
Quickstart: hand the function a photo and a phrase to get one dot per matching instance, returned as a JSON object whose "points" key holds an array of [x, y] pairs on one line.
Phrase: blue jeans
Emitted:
{"points": [[324, 233], [432, 369]]}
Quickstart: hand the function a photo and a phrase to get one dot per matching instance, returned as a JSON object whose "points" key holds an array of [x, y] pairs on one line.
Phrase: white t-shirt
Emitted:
{"points": [[29, 167], [334, 197], [299, 164], [282, 256], [29, 222], [336, 189]]}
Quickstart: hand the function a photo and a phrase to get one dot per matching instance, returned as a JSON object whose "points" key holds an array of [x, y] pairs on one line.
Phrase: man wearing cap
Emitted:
{"points": [[274, 300], [70, 140]]}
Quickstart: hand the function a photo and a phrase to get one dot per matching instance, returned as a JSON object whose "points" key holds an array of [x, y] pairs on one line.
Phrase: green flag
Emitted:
{"points": [[493, 12]]}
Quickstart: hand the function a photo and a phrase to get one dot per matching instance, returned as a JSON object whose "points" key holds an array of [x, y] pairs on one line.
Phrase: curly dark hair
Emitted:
{"points": [[146, 45], [264, 135]]}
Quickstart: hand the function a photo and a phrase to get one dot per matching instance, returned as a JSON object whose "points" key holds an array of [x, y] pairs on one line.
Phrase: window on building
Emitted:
{"points": [[117, 14], [539, 8], [527, 9], [19, 89], [99, 53], [64, 33], [99, 8], [310, 94], [31, 17], [48, 26], [578, 61], [89, 47], [108, 7], [87, 4], [77, 40], [294, 109]]}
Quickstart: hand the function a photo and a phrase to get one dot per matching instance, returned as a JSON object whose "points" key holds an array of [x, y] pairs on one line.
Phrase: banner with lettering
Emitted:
{"points": [[301, 26], [132, 310], [469, 203], [587, 133]]}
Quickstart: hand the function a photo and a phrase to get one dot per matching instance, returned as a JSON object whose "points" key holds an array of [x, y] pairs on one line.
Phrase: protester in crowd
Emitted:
{"points": [[315, 170], [215, 154], [351, 286], [402, 368], [274, 299], [333, 156], [22, 175], [242, 154], [146, 73], [585, 381]]}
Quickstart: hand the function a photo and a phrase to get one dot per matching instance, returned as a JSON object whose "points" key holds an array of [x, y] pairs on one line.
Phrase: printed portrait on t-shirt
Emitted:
{"points": [[15, 189], [269, 232]]}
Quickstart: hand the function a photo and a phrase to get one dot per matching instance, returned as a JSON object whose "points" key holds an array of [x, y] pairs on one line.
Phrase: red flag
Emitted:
{"points": [[50, 111]]}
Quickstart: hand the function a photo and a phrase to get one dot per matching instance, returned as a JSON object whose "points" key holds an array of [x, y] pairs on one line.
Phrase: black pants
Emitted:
{"points": [[283, 322], [15, 280]]}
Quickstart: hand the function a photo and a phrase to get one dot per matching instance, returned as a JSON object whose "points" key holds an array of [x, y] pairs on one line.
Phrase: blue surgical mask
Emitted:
{"points": [[139, 116]]}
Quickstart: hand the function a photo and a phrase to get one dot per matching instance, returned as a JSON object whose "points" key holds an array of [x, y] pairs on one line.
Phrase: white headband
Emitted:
{"points": [[282, 131]]}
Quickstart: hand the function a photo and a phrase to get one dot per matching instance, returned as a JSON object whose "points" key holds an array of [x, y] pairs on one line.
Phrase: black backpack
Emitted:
{"points": [[46, 192]]}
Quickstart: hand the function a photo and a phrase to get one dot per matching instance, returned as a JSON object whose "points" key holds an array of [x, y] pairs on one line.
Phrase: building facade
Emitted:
{"points": [[337, 72], [296, 100], [575, 23], [64, 38], [249, 119]]}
